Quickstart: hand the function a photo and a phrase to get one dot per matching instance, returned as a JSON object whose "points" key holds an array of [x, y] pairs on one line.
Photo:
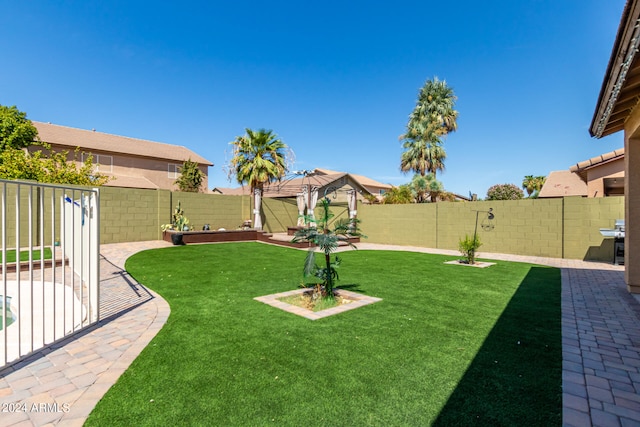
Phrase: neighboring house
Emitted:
{"points": [[133, 163], [600, 176], [617, 110]]}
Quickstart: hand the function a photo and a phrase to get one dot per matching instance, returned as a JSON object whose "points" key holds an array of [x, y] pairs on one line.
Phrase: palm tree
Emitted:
{"points": [[533, 184], [434, 109], [528, 183], [422, 158], [432, 119], [258, 159]]}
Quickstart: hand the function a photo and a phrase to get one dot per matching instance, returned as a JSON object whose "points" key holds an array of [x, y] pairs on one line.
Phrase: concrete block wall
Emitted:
{"points": [[583, 219], [128, 215], [278, 214], [554, 228], [228, 212], [413, 225], [567, 227]]}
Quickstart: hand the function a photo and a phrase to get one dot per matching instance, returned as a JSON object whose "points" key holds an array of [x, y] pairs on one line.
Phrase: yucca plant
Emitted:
{"points": [[327, 239]]}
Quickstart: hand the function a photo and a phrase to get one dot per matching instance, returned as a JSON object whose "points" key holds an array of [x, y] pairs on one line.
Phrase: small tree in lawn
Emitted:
{"points": [[327, 239], [191, 177]]}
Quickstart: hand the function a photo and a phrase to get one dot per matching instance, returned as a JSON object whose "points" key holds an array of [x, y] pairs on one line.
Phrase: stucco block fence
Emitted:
{"points": [[559, 228]]}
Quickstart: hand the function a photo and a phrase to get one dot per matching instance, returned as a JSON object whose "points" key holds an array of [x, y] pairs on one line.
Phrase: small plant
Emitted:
{"points": [[468, 247], [327, 240], [179, 222]]}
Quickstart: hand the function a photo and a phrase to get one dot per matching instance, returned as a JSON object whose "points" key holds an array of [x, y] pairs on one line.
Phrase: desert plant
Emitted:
{"points": [[178, 221], [327, 239], [468, 247]]}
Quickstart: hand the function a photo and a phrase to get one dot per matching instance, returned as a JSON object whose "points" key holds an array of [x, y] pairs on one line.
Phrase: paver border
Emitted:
{"points": [[358, 300]]}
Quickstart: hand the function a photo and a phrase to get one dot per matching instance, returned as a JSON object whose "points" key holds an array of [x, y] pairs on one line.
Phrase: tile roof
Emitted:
{"points": [[363, 180], [598, 160], [91, 140], [563, 183], [291, 187]]}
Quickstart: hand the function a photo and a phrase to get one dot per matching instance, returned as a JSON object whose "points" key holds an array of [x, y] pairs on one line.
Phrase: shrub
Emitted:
{"points": [[504, 192], [468, 247]]}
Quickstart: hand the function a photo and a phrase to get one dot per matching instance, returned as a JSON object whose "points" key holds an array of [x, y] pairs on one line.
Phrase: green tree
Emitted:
{"points": [[533, 184], [422, 157], [258, 158], [504, 192], [432, 119], [327, 239], [528, 184], [421, 186], [191, 177], [53, 168], [16, 131], [398, 195]]}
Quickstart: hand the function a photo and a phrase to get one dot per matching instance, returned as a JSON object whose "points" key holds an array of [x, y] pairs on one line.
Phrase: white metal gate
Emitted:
{"points": [[50, 246]]}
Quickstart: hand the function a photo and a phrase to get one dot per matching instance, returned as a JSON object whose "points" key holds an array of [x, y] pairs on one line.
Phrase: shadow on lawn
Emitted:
{"points": [[516, 376], [353, 287]]}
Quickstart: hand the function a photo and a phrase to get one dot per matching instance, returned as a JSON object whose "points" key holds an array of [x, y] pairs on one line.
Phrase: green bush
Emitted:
{"points": [[504, 192], [468, 247]]}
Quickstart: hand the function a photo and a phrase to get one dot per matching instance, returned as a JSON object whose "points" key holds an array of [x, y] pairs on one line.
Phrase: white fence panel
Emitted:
{"points": [[50, 244]]}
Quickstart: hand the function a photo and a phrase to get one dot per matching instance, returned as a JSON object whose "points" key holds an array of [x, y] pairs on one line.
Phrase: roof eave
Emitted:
{"points": [[599, 122]]}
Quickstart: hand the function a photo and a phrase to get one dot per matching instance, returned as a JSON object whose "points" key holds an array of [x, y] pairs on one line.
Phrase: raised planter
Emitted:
{"points": [[250, 235], [213, 236]]}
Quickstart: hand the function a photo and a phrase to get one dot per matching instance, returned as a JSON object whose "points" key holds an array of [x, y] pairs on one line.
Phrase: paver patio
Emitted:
{"points": [[61, 384]]}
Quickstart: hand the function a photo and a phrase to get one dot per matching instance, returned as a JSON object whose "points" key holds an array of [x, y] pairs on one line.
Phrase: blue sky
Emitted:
{"points": [[336, 80]]}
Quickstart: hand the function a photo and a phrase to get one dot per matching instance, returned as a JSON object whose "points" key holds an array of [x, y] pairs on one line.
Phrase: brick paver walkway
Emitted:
{"points": [[600, 333]]}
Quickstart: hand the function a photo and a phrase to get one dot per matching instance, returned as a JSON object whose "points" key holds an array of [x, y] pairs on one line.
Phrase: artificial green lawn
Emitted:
{"points": [[24, 254], [448, 345]]}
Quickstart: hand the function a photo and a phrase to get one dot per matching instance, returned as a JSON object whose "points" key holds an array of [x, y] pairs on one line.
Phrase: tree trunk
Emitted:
{"points": [[327, 258]]}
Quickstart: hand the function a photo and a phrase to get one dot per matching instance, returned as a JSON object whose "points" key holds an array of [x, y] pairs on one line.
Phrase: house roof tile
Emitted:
{"points": [[598, 160]]}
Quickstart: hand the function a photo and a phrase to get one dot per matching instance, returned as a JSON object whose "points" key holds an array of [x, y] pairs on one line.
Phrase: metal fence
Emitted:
{"points": [[50, 245]]}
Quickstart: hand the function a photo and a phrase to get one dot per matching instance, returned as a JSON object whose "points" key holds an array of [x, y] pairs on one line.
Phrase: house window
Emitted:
{"points": [[174, 170], [381, 192], [102, 162]]}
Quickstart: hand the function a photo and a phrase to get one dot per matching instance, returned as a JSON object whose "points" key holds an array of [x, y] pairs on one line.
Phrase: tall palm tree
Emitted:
{"points": [[434, 110], [422, 157], [432, 119], [258, 159]]}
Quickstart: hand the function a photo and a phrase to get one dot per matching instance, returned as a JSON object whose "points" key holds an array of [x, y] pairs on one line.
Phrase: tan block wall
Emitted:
{"points": [[557, 228], [583, 219], [217, 210], [128, 215], [413, 224], [278, 214], [554, 228]]}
